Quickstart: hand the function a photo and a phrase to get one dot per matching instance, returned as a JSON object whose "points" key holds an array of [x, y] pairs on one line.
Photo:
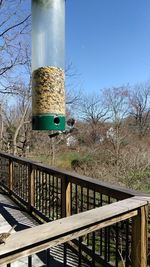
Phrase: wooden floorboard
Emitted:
{"points": [[11, 214]]}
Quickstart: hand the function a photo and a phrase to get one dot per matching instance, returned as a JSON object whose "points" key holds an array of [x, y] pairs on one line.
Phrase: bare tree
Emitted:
{"points": [[1, 126], [94, 113], [14, 32], [139, 100], [15, 70], [16, 117], [116, 100], [21, 122]]}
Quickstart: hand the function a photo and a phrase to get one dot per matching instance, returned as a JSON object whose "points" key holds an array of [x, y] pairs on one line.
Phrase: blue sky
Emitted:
{"points": [[108, 42]]}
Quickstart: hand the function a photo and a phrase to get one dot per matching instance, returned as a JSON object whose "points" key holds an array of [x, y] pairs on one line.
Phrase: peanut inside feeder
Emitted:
{"points": [[48, 96]]}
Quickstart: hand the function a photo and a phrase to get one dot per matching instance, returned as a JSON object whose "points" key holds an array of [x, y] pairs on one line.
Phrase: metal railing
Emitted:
{"points": [[51, 194]]}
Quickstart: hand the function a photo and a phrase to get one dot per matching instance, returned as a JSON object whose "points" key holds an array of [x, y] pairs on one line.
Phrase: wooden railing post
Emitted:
{"points": [[140, 238], [66, 197], [10, 176], [31, 187]]}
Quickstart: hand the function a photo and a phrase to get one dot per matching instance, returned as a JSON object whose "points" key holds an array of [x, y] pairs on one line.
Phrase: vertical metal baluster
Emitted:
{"points": [[76, 198], [42, 196], [46, 190], [56, 197], [23, 174], [87, 209], [48, 257], [36, 189], [93, 235], [106, 245], [101, 231], [84, 199], [39, 189], [117, 244], [16, 186], [24, 168], [49, 195], [60, 198], [18, 191], [29, 261], [80, 252], [53, 197], [80, 238], [71, 198], [38, 184], [127, 244], [20, 180], [14, 175], [25, 184], [65, 254], [34, 174], [108, 232], [35, 185], [81, 207], [43, 193]]}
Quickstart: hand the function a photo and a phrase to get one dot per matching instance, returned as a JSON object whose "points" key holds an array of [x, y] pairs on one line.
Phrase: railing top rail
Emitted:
{"points": [[41, 237], [112, 190]]}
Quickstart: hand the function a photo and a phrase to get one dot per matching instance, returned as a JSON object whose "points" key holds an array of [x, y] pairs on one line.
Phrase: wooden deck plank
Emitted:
{"points": [[54, 233], [11, 214], [4, 225]]}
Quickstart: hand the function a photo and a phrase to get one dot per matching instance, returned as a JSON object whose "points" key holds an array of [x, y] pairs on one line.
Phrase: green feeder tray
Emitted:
{"points": [[48, 122]]}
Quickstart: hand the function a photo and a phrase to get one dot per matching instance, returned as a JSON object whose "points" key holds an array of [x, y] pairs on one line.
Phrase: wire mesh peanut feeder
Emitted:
{"points": [[48, 94]]}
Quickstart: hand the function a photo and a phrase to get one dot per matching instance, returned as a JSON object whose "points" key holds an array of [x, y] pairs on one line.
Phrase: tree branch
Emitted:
{"points": [[14, 26]]}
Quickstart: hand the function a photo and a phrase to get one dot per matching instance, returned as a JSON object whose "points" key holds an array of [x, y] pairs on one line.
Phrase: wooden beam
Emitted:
{"points": [[140, 238], [66, 197], [57, 240], [48, 235]]}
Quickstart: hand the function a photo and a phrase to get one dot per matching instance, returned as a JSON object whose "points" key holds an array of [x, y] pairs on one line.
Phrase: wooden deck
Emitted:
{"points": [[11, 214], [53, 194]]}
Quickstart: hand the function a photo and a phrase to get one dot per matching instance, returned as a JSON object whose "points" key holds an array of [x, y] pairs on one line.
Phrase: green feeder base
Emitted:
{"points": [[49, 122]]}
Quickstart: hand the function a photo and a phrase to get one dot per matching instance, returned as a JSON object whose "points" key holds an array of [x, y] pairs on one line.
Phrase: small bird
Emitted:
{"points": [[4, 236], [71, 122], [69, 128]]}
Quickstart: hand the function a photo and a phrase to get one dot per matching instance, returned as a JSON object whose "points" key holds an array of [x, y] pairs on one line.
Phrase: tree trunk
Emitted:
{"points": [[18, 129]]}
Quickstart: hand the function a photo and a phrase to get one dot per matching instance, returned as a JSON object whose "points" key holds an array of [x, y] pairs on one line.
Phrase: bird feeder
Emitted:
{"points": [[48, 94]]}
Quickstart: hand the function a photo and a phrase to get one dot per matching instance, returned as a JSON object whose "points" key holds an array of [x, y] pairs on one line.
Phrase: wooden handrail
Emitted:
{"points": [[88, 182], [36, 239]]}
